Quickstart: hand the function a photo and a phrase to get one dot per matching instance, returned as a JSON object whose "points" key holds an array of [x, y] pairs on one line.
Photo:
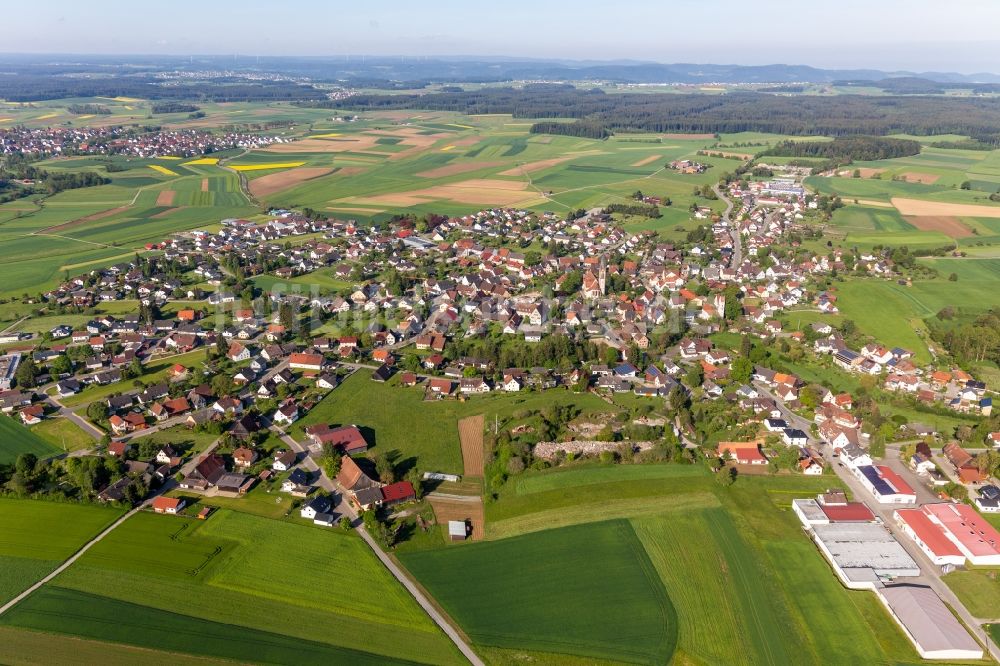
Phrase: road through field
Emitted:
{"points": [[344, 508]]}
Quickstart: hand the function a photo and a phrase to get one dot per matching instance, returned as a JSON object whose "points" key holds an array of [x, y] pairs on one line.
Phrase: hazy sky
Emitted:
{"points": [[958, 35]]}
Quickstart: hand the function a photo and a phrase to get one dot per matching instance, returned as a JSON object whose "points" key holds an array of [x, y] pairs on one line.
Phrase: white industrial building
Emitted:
{"points": [[928, 623]]}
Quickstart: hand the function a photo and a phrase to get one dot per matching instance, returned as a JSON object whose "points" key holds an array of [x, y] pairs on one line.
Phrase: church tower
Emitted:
{"points": [[602, 278]]}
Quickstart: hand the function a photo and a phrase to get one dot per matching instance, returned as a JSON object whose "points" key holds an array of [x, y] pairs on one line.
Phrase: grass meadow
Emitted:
{"points": [[428, 436], [232, 587], [551, 592], [35, 537]]}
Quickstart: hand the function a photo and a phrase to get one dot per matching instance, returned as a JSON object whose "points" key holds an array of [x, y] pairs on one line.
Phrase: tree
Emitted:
{"points": [[61, 365], [25, 464], [386, 472], [97, 411], [25, 374], [742, 369], [611, 356], [695, 376]]}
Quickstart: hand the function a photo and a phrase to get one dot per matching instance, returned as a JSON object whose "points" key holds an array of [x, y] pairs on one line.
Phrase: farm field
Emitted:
{"points": [[36, 536], [548, 592], [16, 439], [428, 437], [732, 560], [216, 594]]}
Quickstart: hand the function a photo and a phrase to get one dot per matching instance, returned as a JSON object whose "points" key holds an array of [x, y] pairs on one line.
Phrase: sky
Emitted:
{"points": [[915, 35]]}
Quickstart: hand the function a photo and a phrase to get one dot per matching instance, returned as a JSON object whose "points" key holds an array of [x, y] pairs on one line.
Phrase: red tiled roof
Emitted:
{"points": [[853, 512], [397, 492]]}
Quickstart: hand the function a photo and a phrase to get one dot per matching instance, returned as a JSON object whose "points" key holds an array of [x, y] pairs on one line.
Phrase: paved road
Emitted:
{"points": [[737, 257], [930, 573], [86, 425]]}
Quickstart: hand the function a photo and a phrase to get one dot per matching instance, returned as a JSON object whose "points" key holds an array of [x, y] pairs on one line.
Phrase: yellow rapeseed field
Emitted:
{"points": [[164, 170], [261, 167]]}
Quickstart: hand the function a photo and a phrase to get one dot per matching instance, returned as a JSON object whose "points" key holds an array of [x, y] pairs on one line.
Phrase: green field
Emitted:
{"points": [[15, 439], [747, 586], [234, 577], [35, 537], [429, 433], [978, 589], [551, 592]]}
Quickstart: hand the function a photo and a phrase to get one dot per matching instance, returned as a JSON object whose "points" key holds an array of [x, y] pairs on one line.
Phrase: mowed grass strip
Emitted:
{"points": [[588, 590], [92, 616], [561, 477]]}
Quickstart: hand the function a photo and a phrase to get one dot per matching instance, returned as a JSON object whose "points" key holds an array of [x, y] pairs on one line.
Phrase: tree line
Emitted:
{"points": [[847, 149], [844, 115]]}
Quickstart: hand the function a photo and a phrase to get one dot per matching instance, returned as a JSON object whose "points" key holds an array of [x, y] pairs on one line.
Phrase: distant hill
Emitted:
{"points": [[397, 71]]}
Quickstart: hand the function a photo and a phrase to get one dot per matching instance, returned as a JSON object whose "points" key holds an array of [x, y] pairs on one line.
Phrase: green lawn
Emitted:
{"points": [[978, 589], [588, 590], [153, 372], [64, 434], [16, 439], [892, 323]]}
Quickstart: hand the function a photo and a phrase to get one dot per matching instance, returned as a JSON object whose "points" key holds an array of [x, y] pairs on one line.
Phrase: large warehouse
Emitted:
{"points": [[864, 555], [928, 623], [951, 534]]}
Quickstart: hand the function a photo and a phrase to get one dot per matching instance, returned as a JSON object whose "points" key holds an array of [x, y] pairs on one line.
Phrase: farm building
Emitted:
{"points": [[952, 533], [928, 623], [917, 525], [458, 530]]}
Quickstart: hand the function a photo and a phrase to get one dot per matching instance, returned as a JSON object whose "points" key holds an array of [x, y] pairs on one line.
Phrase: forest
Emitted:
{"points": [[844, 115], [847, 149], [35, 88]]}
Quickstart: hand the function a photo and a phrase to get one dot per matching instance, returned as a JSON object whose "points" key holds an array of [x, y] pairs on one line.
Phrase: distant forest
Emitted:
{"points": [[842, 115], [38, 87]]}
